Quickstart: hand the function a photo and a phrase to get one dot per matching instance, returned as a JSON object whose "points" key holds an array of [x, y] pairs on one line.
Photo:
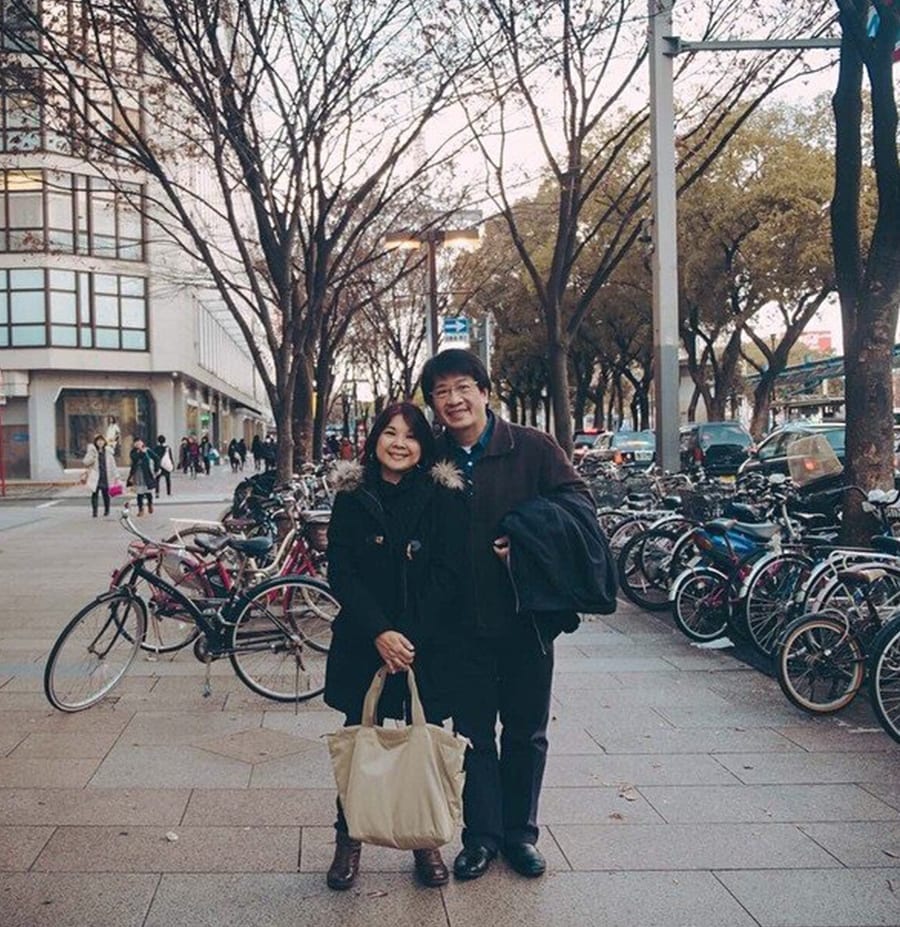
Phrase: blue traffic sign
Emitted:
{"points": [[456, 325]]}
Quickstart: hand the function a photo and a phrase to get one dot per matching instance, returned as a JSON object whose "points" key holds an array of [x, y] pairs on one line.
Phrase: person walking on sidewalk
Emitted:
{"points": [[140, 476], [165, 464], [505, 659], [394, 564], [101, 473]]}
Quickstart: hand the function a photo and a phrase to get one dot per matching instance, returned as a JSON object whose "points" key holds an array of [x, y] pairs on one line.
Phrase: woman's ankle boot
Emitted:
{"points": [[345, 865], [430, 868]]}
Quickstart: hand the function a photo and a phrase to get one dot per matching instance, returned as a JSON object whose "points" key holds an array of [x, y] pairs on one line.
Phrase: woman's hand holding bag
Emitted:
{"points": [[399, 787]]}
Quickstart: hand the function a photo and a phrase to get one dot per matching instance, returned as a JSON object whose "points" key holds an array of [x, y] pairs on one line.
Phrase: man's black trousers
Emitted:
{"points": [[509, 677]]}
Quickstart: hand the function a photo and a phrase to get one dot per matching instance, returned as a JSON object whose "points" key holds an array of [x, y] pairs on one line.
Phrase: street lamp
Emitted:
{"points": [[429, 239]]}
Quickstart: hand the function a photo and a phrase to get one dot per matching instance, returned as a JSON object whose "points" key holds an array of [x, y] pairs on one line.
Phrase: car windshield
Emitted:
{"points": [[724, 433], [585, 440], [630, 440]]}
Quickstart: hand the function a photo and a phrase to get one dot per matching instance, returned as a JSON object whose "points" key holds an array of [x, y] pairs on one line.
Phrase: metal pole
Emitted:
{"points": [[665, 254], [431, 320]]}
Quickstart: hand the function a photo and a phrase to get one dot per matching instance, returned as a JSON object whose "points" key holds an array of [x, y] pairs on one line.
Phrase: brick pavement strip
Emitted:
{"points": [[681, 790]]}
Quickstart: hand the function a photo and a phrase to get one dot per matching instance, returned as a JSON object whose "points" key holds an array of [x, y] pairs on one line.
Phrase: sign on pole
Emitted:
{"points": [[456, 331]]}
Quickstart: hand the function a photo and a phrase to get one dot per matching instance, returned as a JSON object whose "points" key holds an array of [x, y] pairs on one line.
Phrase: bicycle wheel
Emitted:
{"points": [[770, 599], [169, 626], [625, 530], [94, 651], [643, 568], [282, 632], [884, 677], [702, 605], [820, 663]]}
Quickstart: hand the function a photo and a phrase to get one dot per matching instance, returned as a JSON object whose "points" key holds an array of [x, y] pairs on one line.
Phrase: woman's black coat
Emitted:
{"points": [[405, 579]]}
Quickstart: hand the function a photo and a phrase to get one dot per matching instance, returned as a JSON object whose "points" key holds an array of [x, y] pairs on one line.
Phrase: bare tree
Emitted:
{"points": [[282, 139], [565, 70]]}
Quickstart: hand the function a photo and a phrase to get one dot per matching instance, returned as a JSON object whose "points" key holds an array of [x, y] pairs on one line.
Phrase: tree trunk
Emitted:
{"points": [[559, 394]]}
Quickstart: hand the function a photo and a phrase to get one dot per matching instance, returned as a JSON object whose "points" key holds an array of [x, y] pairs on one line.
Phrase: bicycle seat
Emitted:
{"points": [[859, 577], [886, 544], [252, 547], [317, 516], [763, 532]]}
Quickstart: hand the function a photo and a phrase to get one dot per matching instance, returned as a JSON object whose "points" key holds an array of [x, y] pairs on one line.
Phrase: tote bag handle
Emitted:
{"points": [[370, 705]]}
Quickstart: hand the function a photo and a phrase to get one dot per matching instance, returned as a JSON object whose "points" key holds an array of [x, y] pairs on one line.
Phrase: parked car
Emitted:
{"points": [[718, 447], [630, 448], [772, 453], [584, 441]]}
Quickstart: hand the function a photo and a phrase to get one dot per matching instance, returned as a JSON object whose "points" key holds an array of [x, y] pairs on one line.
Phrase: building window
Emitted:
{"points": [[72, 309], [18, 22], [81, 415], [53, 211]]}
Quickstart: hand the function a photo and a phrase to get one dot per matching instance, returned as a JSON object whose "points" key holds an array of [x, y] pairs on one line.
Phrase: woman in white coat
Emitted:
{"points": [[101, 472]]}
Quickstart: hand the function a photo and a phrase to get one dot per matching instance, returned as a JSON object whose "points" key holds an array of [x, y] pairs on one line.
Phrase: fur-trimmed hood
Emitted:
{"points": [[347, 475]]}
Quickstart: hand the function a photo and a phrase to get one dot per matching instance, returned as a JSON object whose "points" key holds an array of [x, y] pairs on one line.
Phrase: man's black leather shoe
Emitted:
{"points": [[526, 859], [473, 862]]}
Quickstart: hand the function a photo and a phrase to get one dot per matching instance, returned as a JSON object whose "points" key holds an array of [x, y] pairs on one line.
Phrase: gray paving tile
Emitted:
{"points": [[63, 745], [859, 844], [666, 739], [309, 724], [577, 899], [774, 714], [695, 696], [595, 806], [567, 737], [829, 736], [148, 849], [20, 846], [9, 740], [813, 767], [273, 900], [64, 900], [178, 727], [256, 746], [310, 769], [888, 792], [96, 719], [766, 803], [818, 898], [676, 847], [43, 772], [169, 767], [609, 770], [92, 806], [261, 807]]}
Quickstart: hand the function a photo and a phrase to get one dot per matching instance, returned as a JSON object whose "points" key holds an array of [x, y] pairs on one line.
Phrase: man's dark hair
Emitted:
{"points": [[454, 362]]}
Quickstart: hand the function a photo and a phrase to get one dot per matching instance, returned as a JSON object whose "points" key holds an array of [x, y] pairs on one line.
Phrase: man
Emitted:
{"points": [[506, 658]]}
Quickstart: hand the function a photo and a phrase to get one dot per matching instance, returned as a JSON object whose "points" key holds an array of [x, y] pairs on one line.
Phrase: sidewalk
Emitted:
{"points": [[682, 789]]}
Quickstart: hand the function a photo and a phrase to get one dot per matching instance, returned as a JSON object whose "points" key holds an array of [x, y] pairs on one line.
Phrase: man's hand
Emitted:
{"points": [[501, 547], [396, 650]]}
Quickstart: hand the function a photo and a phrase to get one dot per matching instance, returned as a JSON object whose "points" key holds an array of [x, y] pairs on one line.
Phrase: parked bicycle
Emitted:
{"points": [[276, 634]]}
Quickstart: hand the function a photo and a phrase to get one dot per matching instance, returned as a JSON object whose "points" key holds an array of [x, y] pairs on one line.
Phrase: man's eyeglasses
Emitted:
{"points": [[463, 390]]}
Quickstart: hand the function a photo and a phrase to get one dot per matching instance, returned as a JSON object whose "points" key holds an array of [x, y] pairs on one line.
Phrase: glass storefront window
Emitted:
{"points": [[82, 414]]}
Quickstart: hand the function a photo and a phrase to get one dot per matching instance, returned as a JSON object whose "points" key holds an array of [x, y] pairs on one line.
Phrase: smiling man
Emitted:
{"points": [[505, 662]]}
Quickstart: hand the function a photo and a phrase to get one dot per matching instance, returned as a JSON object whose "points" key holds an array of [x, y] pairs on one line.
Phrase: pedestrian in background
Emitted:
{"points": [[165, 464], [242, 452], [205, 453], [234, 455], [505, 659], [140, 476], [193, 456], [100, 473], [270, 453], [256, 450], [113, 435], [395, 559]]}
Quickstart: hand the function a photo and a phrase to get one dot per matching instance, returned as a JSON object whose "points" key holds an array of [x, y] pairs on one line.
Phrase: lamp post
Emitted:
{"points": [[429, 239]]}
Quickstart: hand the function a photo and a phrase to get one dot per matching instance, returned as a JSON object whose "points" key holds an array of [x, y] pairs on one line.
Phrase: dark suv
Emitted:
{"points": [[772, 454], [718, 447]]}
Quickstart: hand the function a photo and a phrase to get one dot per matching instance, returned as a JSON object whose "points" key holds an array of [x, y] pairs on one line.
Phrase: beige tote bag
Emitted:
{"points": [[399, 787]]}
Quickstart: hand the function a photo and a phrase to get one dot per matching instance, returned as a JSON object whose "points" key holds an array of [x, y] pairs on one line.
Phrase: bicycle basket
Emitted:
{"points": [[608, 493], [316, 530], [699, 506]]}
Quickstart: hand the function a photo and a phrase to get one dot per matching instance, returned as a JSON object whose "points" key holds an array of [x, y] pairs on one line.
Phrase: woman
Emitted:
{"points": [[257, 451], [234, 455], [101, 472], [165, 464], [141, 475], [395, 549]]}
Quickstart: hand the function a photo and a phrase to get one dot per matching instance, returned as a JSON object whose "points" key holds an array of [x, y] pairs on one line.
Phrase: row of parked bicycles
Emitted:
{"points": [[250, 587], [759, 562]]}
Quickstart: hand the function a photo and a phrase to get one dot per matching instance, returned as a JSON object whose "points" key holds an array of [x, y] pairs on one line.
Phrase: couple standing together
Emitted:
{"points": [[417, 558]]}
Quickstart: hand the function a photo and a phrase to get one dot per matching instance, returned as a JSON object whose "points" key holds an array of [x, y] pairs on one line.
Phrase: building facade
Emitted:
{"points": [[101, 329]]}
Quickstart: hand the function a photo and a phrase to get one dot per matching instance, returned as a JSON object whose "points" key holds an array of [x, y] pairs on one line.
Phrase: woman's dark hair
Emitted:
{"points": [[161, 439], [415, 420], [453, 362]]}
